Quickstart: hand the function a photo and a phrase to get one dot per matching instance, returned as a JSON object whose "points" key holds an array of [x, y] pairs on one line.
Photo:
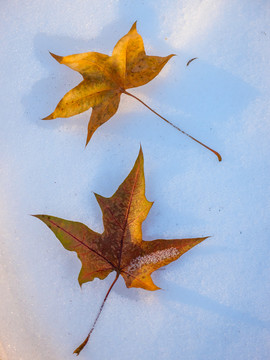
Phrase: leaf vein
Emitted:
{"points": [[81, 242], [126, 216]]}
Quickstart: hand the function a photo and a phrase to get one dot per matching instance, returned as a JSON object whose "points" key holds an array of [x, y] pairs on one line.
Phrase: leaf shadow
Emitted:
{"points": [[183, 295], [136, 294], [190, 297], [132, 294]]}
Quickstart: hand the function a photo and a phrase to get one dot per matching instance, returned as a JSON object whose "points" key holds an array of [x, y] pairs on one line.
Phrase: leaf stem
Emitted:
{"points": [[176, 127], [79, 348]]}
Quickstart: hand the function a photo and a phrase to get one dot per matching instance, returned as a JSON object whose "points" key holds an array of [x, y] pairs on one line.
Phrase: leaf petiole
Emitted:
{"points": [[176, 127], [79, 348]]}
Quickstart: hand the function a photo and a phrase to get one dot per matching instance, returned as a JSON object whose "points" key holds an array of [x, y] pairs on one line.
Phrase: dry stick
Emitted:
{"points": [[176, 127], [79, 348]]}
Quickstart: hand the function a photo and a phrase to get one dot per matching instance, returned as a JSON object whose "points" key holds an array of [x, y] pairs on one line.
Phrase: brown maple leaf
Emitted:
{"points": [[120, 247], [107, 77]]}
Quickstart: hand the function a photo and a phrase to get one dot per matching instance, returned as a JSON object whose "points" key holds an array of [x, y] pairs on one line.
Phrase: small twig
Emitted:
{"points": [[189, 61], [79, 348], [176, 127]]}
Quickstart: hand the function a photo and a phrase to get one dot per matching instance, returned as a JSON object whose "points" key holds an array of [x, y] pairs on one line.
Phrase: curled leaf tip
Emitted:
{"points": [[88, 138], [134, 26], [56, 57], [140, 155], [36, 215], [96, 195], [49, 117]]}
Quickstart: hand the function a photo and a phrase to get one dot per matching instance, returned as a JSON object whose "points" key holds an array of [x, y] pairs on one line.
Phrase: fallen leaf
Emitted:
{"points": [[120, 247], [105, 78]]}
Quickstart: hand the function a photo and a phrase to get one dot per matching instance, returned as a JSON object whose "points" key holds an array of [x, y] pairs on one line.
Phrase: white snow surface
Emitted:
{"points": [[215, 298]]}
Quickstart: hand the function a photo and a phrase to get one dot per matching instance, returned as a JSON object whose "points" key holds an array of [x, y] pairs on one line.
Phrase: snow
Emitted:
{"points": [[153, 258], [214, 302]]}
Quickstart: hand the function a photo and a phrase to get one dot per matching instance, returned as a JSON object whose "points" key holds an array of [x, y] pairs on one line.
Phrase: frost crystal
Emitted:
{"points": [[153, 258]]}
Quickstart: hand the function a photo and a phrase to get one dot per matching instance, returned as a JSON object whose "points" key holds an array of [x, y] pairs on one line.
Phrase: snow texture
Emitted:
{"points": [[215, 299]]}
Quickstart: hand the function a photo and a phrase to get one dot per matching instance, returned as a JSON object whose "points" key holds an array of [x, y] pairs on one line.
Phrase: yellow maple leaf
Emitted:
{"points": [[106, 77]]}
